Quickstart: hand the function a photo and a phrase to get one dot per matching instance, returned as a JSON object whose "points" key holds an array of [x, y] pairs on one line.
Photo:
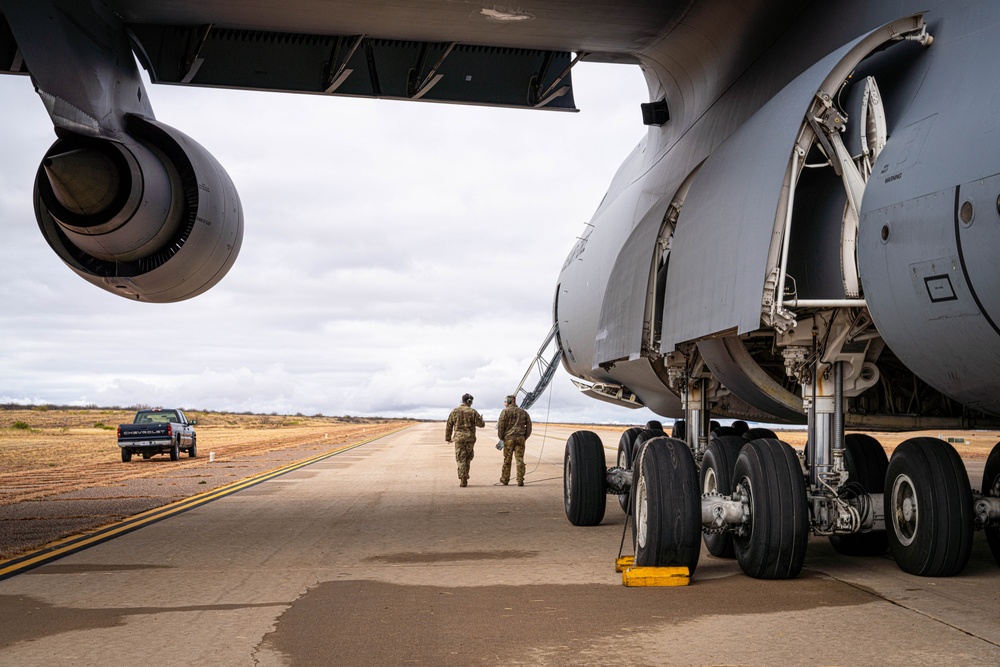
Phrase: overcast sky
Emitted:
{"points": [[395, 255]]}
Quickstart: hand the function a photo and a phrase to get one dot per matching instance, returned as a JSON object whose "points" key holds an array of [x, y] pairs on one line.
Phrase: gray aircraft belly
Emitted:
{"points": [[930, 223]]}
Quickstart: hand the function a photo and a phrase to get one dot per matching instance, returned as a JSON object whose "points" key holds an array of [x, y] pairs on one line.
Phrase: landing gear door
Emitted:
{"points": [[728, 247]]}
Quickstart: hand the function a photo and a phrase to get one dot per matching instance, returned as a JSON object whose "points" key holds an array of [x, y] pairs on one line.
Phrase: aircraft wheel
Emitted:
{"points": [[667, 506], [175, 451], [991, 488], [625, 446], [583, 479], [717, 477], [757, 433], [641, 438], [866, 465], [769, 477], [928, 508], [126, 454], [679, 429]]}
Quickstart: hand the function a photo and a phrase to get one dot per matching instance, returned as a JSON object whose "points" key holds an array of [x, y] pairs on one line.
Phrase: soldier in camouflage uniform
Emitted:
{"points": [[514, 427], [461, 429]]}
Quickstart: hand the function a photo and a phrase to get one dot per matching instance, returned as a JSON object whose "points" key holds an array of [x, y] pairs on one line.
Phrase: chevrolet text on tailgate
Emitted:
{"points": [[157, 432]]}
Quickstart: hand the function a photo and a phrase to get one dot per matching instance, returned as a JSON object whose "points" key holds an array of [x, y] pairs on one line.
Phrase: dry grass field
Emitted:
{"points": [[49, 451]]}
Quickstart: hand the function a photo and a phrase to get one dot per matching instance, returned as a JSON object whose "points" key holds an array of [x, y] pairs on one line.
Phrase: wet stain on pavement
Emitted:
{"points": [[376, 623], [30, 619]]}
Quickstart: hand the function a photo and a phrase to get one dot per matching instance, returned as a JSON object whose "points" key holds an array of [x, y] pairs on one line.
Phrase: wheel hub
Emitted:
{"points": [[711, 484], [905, 517], [641, 512]]}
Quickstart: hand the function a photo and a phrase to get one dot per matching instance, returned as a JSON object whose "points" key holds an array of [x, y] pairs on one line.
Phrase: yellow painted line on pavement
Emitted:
{"points": [[67, 546]]}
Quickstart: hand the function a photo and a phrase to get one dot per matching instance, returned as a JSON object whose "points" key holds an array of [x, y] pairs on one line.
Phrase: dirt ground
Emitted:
{"points": [[61, 472], [47, 451]]}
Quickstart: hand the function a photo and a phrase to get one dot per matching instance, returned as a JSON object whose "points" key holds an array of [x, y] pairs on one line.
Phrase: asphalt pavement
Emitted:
{"points": [[376, 556]]}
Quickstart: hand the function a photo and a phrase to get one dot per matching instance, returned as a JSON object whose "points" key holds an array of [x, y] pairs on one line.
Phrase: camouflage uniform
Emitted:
{"points": [[514, 427], [461, 429]]}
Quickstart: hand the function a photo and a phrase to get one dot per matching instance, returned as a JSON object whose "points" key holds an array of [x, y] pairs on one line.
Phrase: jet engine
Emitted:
{"points": [[150, 216]]}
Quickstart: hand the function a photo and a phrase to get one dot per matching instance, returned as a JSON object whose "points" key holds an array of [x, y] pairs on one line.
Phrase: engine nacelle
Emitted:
{"points": [[153, 217]]}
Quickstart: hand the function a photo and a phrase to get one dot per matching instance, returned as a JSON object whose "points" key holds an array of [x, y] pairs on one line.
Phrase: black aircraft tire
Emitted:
{"points": [[866, 464], [928, 508], [126, 454], [583, 479], [768, 472], [756, 433], [625, 446], [667, 506], [679, 429], [642, 437], [991, 489], [175, 451], [717, 477]]}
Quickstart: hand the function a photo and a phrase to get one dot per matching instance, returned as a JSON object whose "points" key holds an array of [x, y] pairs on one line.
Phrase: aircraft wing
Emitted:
{"points": [[464, 52], [356, 65]]}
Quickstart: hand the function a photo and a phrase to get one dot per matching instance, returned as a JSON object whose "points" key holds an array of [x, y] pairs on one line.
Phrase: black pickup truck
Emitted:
{"points": [[157, 432]]}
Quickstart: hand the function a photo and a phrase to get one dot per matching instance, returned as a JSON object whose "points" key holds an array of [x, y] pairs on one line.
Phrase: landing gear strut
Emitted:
{"points": [[753, 497]]}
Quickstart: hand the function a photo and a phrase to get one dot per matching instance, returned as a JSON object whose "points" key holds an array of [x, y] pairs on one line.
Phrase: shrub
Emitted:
{"points": [[21, 426]]}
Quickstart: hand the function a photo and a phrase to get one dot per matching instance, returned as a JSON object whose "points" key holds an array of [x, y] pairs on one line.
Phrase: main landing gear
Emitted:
{"points": [[754, 498], [750, 499]]}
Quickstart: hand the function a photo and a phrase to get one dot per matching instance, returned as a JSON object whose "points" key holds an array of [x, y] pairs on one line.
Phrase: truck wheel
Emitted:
{"points": [[126, 454], [193, 449], [175, 451]]}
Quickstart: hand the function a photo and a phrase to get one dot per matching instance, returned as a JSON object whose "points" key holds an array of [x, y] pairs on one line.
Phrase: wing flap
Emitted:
{"points": [[355, 65]]}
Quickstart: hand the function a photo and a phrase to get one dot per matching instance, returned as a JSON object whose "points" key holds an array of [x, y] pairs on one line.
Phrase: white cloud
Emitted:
{"points": [[395, 256]]}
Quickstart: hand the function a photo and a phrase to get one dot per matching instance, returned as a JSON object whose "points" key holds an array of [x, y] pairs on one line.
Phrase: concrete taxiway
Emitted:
{"points": [[377, 557]]}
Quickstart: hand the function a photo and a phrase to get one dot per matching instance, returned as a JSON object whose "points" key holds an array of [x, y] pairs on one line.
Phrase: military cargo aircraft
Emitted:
{"points": [[806, 233]]}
